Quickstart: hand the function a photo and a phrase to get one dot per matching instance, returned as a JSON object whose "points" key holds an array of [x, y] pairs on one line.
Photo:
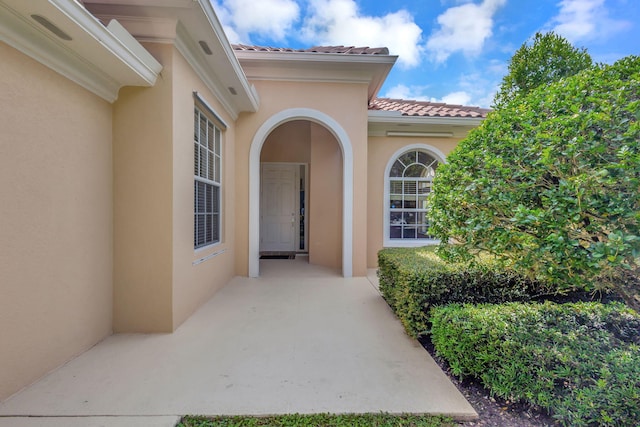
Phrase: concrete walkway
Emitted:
{"points": [[298, 339]]}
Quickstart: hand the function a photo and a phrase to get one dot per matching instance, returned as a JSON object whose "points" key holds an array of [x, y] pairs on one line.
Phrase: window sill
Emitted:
{"points": [[413, 243], [214, 254], [205, 248]]}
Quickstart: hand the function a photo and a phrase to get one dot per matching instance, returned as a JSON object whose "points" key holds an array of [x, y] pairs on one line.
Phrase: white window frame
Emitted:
{"points": [[387, 241], [212, 174]]}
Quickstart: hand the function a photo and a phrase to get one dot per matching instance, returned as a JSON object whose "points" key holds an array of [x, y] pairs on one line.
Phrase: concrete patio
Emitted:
{"points": [[298, 339]]}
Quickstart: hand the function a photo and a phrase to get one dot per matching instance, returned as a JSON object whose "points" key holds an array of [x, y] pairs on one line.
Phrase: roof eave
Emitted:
{"points": [[102, 59], [251, 101], [318, 66], [186, 24], [394, 117]]}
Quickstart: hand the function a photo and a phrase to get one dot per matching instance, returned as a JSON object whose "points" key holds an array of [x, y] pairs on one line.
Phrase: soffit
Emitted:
{"points": [[187, 24], [64, 36]]}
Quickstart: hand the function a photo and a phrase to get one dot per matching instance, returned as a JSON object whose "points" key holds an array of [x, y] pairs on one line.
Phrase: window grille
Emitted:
{"points": [[410, 183], [207, 162]]}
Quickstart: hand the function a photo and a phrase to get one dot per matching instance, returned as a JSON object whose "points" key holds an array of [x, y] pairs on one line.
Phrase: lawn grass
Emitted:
{"points": [[320, 420]]}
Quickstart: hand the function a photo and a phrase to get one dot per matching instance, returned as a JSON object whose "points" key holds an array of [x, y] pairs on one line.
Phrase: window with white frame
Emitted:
{"points": [[410, 183], [207, 161]]}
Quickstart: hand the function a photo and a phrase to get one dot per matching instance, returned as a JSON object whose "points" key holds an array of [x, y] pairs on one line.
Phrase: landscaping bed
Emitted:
{"points": [[516, 357], [579, 361], [492, 411]]}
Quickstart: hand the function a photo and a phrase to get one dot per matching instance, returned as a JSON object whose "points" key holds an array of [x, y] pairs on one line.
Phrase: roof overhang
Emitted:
{"points": [[67, 38], [193, 27], [371, 70], [392, 123]]}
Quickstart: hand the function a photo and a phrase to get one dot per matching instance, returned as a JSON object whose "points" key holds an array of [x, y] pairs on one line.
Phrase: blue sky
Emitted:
{"points": [[453, 51]]}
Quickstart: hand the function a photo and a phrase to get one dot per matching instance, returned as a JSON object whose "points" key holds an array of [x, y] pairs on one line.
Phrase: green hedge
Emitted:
{"points": [[580, 361], [412, 280]]}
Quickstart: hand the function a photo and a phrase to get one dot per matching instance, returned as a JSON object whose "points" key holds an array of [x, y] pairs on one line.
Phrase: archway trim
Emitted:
{"points": [[254, 182]]}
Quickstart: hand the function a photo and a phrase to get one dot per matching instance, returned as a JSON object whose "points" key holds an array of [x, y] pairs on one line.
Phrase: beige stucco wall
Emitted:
{"points": [[56, 220], [142, 153], [344, 103], [194, 284], [325, 204], [160, 280], [381, 150], [288, 143]]}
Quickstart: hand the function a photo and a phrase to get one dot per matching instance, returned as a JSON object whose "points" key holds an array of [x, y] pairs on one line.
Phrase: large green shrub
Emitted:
{"points": [[580, 361], [549, 183], [412, 280], [548, 58]]}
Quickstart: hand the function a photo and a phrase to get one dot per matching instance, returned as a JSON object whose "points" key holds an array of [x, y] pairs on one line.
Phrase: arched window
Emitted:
{"points": [[410, 179]]}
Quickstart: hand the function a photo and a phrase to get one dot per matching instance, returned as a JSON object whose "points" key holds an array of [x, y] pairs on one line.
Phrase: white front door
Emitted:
{"points": [[278, 207]]}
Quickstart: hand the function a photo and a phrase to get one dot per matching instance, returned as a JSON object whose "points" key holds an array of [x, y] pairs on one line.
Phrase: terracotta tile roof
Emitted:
{"points": [[351, 50], [427, 109]]}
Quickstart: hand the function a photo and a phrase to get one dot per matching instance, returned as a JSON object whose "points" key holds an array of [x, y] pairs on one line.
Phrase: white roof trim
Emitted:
{"points": [[100, 59], [369, 69], [316, 57], [194, 56], [247, 87], [187, 24]]}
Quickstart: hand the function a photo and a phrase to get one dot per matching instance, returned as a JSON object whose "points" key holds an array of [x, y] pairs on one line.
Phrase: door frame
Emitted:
{"points": [[297, 198]]}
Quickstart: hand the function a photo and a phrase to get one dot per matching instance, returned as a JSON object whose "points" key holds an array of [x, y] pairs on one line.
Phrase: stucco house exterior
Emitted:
{"points": [[145, 161]]}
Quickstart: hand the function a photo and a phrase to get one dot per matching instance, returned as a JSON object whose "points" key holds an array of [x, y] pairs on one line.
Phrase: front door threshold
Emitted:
{"points": [[277, 255]]}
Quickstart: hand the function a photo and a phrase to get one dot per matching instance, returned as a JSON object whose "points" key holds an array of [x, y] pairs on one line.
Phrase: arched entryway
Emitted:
{"points": [[343, 142]]}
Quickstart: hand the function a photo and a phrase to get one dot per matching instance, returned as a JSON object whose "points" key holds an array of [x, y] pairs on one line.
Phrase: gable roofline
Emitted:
{"points": [[350, 50], [338, 64], [64, 36], [194, 28]]}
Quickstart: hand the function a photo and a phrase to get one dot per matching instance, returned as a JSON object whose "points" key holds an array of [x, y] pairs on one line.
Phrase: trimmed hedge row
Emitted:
{"points": [[412, 280], [580, 361]]}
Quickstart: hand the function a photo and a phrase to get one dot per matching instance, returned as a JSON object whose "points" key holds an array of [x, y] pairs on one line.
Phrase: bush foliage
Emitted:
{"points": [[412, 280], [580, 361], [547, 59], [549, 183]]}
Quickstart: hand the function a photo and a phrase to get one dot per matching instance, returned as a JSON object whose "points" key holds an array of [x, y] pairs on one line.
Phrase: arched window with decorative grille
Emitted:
{"points": [[409, 179]]}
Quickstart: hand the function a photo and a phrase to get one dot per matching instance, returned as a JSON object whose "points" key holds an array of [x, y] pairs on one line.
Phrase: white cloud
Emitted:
{"points": [[459, 97], [417, 93], [577, 18], [463, 28], [584, 20], [472, 88], [402, 91], [267, 18], [339, 22]]}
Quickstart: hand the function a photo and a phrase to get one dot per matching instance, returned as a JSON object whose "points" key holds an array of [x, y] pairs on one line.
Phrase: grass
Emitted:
{"points": [[320, 420]]}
